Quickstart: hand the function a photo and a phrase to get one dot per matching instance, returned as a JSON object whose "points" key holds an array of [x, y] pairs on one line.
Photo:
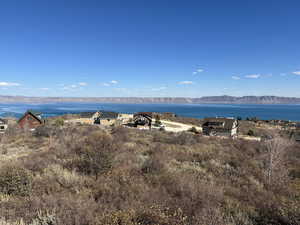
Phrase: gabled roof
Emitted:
{"points": [[146, 114], [225, 123], [34, 114]]}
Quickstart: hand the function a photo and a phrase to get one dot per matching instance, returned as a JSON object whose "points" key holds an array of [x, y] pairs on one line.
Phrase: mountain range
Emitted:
{"points": [[225, 99]]}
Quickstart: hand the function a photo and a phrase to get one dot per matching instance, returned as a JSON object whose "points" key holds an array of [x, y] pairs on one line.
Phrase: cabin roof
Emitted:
{"points": [[3, 121], [225, 123], [34, 114]]}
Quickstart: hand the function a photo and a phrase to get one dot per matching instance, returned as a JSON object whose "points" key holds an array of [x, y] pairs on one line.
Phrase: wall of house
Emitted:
{"points": [[29, 122], [234, 131], [107, 122], [81, 121], [219, 132], [3, 127]]}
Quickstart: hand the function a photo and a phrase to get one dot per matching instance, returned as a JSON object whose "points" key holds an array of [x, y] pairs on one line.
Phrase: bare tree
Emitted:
{"points": [[275, 158]]}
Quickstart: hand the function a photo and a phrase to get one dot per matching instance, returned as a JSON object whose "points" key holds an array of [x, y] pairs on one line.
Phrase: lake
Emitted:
{"points": [[285, 112]]}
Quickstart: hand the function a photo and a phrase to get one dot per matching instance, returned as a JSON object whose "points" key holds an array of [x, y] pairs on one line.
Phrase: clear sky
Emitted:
{"points": [[188, 48]]}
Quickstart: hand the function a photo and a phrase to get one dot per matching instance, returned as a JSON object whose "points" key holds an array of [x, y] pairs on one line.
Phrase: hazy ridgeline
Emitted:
{"points": [[84, 175]]}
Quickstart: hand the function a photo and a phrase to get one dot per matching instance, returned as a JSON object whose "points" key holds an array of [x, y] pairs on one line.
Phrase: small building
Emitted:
{"points": [[295, 136], [226, 127], [31, 120], [169, 115], [87, 117], [297, 126], [106, 118], [125, 118], [143, 119], [3, 125]]}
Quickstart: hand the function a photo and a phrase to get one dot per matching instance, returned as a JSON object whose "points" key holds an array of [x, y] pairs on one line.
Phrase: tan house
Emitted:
{"points": [[225, 127]]}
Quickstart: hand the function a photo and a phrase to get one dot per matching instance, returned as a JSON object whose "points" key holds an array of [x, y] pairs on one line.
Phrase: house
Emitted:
{"points": [[295, 135], [31, 120], [226, 127], [297, 126], [143, 119], [3, 125], [87, 117], [125, 118], [106, 118]]}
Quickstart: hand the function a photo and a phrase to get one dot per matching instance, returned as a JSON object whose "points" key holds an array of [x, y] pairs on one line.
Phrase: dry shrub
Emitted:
{"points": [[121, 134], [44, 219], [92, 154], [15, 181], [153, 215], [39, 161], [149, 177], [182, 138]]}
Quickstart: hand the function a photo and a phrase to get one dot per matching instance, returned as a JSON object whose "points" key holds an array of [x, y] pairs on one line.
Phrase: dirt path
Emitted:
{"points": [[178, 127]]}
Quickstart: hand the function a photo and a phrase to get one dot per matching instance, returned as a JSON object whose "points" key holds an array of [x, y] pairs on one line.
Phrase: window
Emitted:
{"points": [[2, 127]]}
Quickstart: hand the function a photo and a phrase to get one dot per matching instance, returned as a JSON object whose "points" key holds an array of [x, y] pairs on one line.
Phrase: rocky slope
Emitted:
{"points": [[202, 100]]}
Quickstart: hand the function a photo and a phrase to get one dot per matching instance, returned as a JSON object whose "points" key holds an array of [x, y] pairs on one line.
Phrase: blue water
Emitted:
{"points": [[286, 112]]}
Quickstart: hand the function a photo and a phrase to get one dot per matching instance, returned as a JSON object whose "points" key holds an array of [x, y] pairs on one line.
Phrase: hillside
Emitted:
{"points": [[84, 175], [202, 100]]}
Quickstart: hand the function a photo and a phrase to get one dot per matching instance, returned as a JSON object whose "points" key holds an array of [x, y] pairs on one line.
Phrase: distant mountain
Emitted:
{"points": [[202, 100]]}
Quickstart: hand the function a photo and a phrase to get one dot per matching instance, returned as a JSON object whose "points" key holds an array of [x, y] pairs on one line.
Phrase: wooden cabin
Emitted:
{"points": [[143, 119], [3, 125], [31, 120], [225, 127]]}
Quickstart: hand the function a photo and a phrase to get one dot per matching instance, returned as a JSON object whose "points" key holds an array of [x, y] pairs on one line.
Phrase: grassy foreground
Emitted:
{"points": [[83, 175]]}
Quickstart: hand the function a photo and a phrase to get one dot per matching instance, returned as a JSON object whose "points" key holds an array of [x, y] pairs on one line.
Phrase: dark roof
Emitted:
{"points": [[3, 121], [86, 114], [108, 115], [147, 114], [34, 114], [225, 123]]}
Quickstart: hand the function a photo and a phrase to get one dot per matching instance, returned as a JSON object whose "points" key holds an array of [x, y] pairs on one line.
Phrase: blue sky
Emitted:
{"points": [[149, 48]]}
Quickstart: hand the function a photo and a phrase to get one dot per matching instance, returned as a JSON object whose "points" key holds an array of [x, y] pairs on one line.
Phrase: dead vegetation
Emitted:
{"points": [[84, 175]]}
